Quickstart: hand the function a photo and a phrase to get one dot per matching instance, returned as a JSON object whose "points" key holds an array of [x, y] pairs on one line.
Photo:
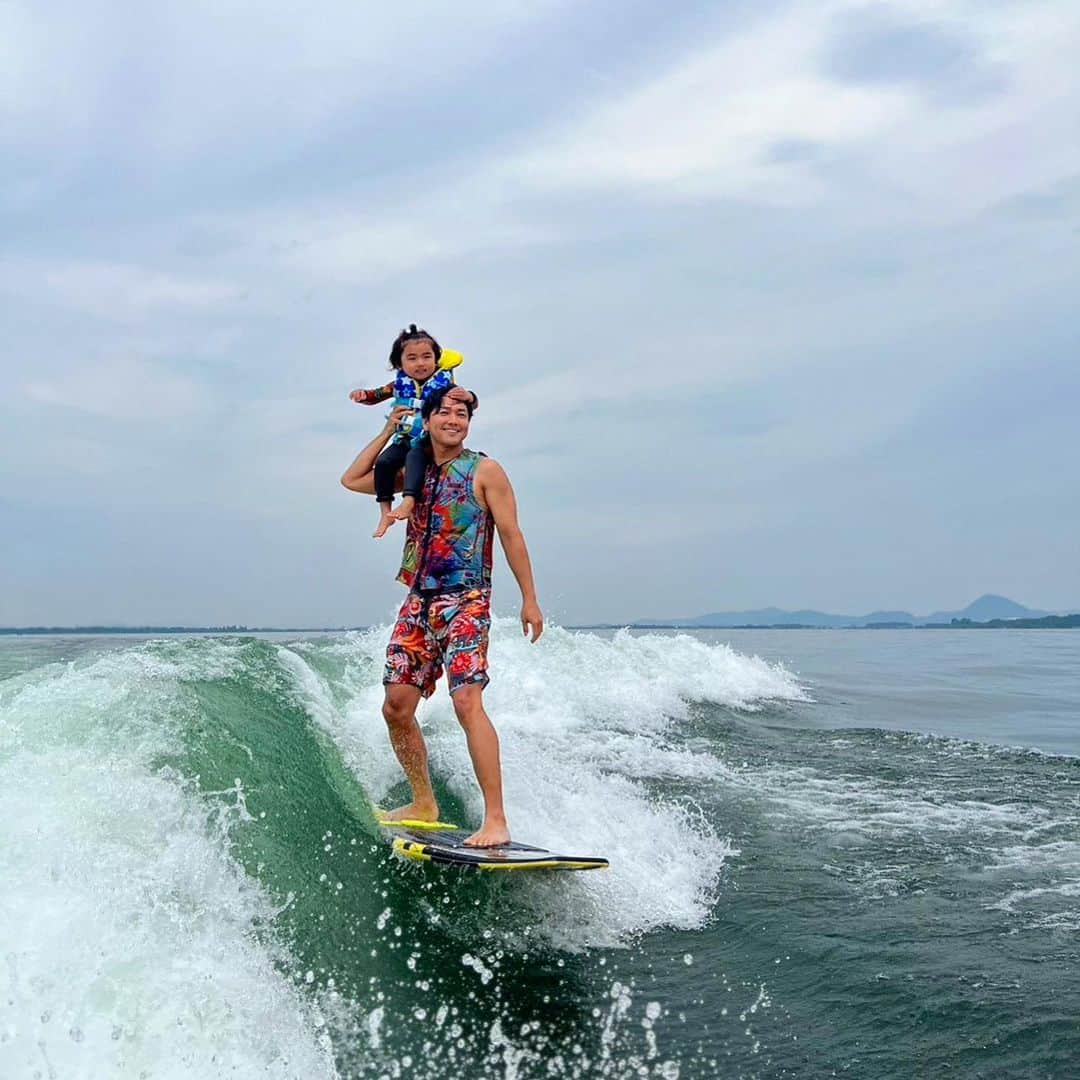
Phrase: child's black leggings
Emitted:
{"points": [[387, 464]]}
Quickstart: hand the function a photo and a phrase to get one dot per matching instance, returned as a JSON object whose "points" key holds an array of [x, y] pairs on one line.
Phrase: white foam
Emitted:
{"points": [[1015, 840], [1048, 900], [1043, 907], [583, 722], [125, 929], [1029, 897], [873, 808], [1051, 856]]}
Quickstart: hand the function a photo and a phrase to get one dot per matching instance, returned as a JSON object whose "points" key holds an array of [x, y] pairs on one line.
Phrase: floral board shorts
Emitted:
{"points": [[448, 628]]}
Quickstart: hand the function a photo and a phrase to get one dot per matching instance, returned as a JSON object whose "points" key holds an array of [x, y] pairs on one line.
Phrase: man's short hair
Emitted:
{"points": [[434, 402]]}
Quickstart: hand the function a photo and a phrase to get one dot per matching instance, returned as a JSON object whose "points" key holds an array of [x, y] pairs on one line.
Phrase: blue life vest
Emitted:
{"points": [[412, 394]]}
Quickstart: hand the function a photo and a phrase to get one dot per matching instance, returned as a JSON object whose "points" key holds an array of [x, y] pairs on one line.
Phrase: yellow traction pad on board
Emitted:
{"points": [[408, 823]]}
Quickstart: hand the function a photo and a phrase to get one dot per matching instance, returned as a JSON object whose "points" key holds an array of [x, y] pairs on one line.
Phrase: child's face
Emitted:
{"points": [[418, 359]]}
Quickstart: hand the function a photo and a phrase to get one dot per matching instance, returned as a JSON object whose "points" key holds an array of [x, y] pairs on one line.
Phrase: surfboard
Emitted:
{"points": [[443, 843]]}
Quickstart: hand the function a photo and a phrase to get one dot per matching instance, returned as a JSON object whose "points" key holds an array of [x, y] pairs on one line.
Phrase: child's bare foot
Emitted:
{"points": [[386, 519], [404, 509]]}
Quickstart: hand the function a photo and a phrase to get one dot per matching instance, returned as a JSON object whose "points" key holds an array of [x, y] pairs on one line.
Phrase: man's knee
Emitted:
{"points": [[399, 705], [468, 703]]}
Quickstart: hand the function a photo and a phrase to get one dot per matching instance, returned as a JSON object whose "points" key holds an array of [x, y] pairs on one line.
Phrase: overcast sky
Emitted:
{"points": [[765, 302]]}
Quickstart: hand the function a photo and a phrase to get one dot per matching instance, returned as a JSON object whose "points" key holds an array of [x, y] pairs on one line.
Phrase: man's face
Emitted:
{"points": [[448, 424], [418, 359]]}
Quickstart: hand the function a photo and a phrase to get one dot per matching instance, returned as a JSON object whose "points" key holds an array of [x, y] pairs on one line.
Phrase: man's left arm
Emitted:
{"points": [[498, 496]]}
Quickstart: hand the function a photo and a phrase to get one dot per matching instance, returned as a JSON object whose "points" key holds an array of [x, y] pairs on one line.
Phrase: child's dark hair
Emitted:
{"points": [[411, 333], [433, 402]]}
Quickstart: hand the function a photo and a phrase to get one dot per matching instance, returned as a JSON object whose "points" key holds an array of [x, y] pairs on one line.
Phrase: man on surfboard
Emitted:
{"points": [[444, 621]]}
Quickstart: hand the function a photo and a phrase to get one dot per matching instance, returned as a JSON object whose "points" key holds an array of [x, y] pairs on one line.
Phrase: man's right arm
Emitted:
{"points": [[360, 475]]}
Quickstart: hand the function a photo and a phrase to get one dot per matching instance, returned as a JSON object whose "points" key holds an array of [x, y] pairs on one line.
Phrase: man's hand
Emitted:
{"points": [[532, 616], [397, 413]]}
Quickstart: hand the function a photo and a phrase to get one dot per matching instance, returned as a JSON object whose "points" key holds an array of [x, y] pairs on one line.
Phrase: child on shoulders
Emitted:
{"points": [[421, 367]]}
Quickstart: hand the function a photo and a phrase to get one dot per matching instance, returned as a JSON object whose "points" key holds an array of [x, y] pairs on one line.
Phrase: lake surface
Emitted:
{"points": [[833, 853]]}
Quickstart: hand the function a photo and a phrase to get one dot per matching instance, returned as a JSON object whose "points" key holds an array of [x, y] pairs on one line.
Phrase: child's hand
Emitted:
{"points": [[459, 393], [359, 397]]}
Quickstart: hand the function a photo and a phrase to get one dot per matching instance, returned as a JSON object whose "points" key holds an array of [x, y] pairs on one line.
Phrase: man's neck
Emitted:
{"points": [[441, 455]]}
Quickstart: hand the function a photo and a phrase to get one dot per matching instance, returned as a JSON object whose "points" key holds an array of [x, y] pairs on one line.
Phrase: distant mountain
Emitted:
{"points": [[760, 617], [985, 608], [888, 616]]}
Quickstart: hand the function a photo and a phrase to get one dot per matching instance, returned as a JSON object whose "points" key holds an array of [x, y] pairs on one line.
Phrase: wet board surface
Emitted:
{"points": [[442, 843]]}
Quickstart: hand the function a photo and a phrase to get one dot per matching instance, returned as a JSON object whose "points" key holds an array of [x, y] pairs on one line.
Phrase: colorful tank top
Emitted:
{"points": [[449, 537]]}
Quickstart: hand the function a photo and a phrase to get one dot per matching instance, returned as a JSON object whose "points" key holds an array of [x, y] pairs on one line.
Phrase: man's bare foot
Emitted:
{"points": [[490, 834], [404, 509], [386, 519], [413, 811]]}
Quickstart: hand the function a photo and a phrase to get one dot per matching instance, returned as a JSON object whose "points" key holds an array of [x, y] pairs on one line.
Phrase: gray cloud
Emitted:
{"points": [[879, 45], [786, 151], [1060, 204]]}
